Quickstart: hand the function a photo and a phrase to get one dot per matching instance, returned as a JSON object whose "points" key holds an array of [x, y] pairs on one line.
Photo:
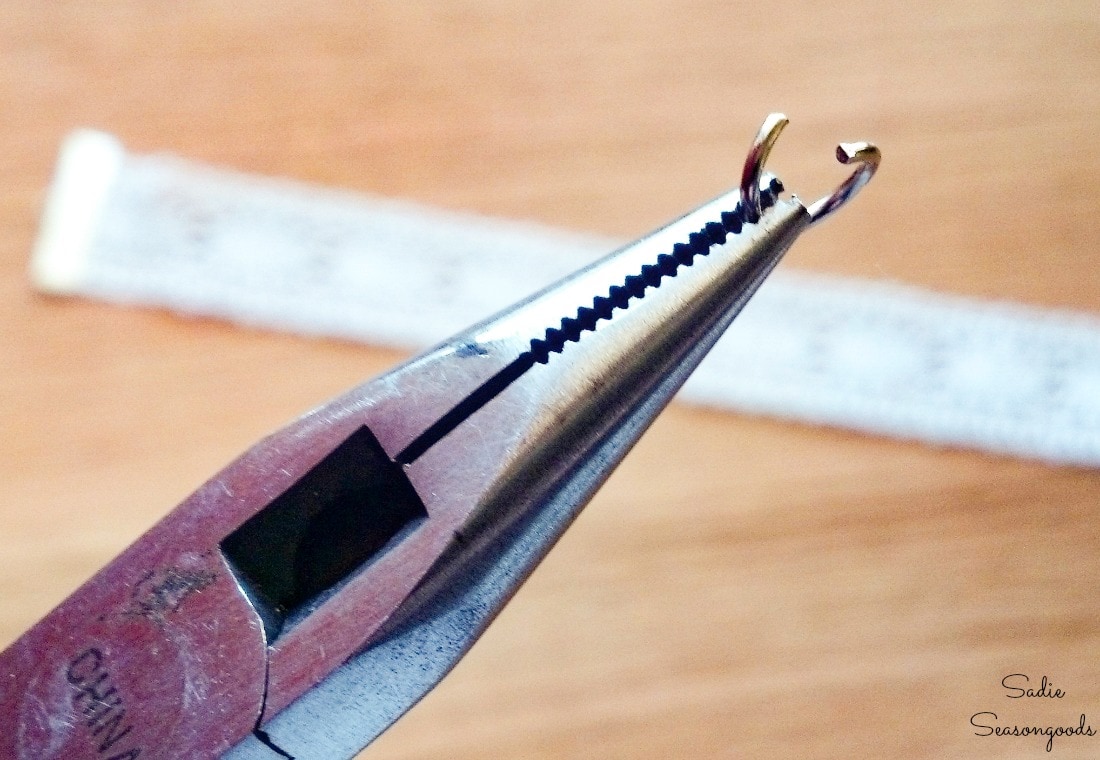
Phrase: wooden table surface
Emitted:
{"points": [[742, 587]]}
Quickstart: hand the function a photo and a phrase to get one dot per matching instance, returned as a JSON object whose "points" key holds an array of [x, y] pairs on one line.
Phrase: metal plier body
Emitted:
{"points": [[309, 594]]}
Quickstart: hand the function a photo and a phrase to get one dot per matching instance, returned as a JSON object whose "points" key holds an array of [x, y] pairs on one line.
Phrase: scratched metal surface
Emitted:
{"points": [[741, 587]]}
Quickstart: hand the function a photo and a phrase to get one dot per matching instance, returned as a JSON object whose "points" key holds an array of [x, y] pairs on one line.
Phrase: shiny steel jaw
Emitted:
{"points": [[519, 468]]}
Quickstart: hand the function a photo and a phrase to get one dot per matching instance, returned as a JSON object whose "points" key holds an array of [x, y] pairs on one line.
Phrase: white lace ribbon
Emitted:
{"points": [[859, 354]]}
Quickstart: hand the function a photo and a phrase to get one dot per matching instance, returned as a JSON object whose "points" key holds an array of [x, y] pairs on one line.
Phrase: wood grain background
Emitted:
{"points": [[742, 587]]}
